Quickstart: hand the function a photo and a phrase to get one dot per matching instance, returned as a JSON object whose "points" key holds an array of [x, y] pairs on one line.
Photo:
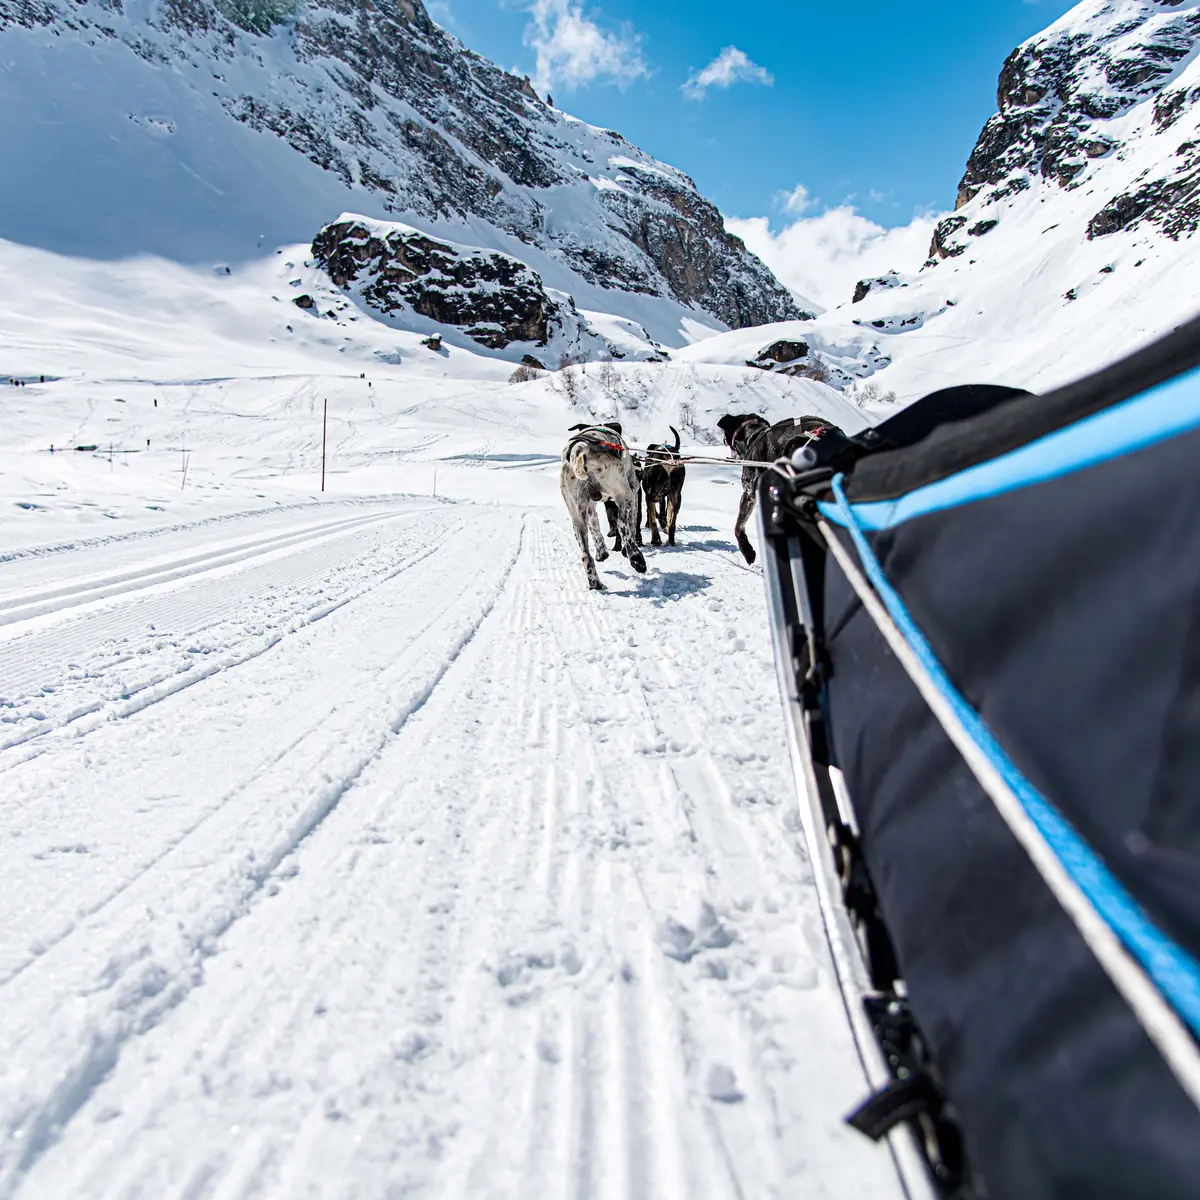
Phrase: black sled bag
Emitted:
{"points": [[987, 622]]}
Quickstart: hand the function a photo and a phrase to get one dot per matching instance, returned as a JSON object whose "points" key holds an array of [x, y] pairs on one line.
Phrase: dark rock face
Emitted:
{"points": [[1172, 203], [1056, 97], [943, 244], [384, 100], [494, 297], [880, 283], [781, 352]]}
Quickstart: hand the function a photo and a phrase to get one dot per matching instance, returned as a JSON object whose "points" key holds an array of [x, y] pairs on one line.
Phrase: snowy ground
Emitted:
{"points": [[359, 850], [351, 846]]}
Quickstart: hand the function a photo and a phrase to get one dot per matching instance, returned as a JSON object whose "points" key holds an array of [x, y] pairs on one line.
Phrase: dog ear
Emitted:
{"points": [[729, 425], [576, 428], [615, 426]]}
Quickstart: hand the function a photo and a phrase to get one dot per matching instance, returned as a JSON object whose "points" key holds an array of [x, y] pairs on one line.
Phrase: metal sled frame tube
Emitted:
{"points": [[1162, 1024], [849, 968]]}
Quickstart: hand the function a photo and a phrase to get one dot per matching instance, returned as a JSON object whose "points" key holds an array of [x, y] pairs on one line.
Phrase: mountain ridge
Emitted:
{"points": [[403, 121]]}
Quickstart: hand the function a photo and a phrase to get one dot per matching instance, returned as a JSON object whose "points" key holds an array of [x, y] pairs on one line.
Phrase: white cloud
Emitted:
{"points": [[729, 67], [824, 256], [796, 201], [572, 50]]}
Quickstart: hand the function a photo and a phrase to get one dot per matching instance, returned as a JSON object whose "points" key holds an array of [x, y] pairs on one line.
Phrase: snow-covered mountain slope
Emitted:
{"points": [[1074, 238], [203, 130]]}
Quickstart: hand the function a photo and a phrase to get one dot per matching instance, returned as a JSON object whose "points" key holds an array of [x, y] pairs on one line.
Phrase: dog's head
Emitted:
{"points": [[739, 427]]}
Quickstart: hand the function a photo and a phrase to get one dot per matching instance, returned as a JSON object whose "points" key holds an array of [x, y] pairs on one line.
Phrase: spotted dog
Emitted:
{"points": [[749, 436], [597, 466], [662, 484]]}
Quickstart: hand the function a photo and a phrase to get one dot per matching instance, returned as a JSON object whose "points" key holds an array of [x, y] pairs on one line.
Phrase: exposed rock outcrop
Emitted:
{"points": [[880, 283], [495, 298], [1065, 101]]}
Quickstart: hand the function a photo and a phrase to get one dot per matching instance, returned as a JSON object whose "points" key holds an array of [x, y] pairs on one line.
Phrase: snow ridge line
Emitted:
{"points": [[26, 607], [140, 1003], [113, 539], [174, 682]]}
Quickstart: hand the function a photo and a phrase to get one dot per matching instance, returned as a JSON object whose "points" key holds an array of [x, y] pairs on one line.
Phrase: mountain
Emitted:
{"points": [[1073, 240], [1104, 103], [204, 130]]}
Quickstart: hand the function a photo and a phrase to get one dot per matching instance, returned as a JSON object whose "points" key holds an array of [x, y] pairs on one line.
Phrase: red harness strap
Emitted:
{"points": [[589, 435]]}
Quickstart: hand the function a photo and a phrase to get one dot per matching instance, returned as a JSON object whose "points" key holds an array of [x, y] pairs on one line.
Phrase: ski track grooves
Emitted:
{"points": [[23, 664], [127, 982], [545, 930], [26, 606]]}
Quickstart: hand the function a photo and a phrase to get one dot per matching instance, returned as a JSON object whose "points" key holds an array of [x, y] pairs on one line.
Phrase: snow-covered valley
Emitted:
{"points": [[351, 846], [356, 849]]}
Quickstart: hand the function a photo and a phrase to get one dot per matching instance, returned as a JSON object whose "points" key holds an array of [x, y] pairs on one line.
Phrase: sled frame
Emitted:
{"points": [[922, 1135]]}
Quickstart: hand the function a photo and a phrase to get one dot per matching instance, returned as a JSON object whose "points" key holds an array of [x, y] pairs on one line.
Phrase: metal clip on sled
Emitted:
{"points": [[986, 619]]}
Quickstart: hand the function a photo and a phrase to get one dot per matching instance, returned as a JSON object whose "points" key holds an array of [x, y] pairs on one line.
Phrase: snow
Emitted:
{"points": [[126, 146], [474, 884], [352, 847]]}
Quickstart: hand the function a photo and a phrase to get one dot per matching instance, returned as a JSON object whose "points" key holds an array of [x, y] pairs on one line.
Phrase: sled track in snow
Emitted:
{"points": [[136, 973], [514, 909], [139, 650], [24, 609]]}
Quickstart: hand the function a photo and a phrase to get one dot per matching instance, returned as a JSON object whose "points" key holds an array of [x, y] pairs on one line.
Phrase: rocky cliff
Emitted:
{"points": [[1104, 103], [1074, 240], [405, 122]]}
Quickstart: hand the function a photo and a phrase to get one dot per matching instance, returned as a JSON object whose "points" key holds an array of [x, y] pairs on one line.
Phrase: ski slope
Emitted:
{"points": [[357, 849]]}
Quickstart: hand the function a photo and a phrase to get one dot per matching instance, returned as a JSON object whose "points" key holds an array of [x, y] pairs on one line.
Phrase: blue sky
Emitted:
{"points": [[872, 104]]}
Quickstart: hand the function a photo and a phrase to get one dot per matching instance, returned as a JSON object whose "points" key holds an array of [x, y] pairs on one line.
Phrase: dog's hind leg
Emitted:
{"points": [[744, 510], [593, 524], [636, 559], [579, 512], [589, 566], [614, 532], [652, 519], [673, 501]]}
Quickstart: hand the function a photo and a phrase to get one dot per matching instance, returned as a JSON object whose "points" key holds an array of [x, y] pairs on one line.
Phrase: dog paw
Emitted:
{"points": [[596, 585], [656, 541], [749, 554]]}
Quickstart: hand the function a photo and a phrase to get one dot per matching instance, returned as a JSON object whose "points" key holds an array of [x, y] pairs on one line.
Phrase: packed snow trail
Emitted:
{"points": [[454, 879]]}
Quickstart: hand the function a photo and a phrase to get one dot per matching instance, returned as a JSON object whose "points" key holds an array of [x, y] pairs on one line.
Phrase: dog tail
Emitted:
{"points": [[677, 442], [579, 462]]}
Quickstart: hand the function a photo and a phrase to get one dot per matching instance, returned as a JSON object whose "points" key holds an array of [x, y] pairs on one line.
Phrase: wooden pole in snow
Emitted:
{"points": [[324, 434]]}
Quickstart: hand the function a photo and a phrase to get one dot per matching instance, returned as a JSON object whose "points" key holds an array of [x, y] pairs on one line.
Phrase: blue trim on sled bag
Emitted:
{"points": [[1164, 412], [1174, 972]]}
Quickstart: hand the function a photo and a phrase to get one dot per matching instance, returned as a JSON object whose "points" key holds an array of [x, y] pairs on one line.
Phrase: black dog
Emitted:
{"points": [[663, 474], [750, 437]]}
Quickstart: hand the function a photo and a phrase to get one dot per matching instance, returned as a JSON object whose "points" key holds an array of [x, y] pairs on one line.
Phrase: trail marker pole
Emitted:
{"points": [[324, 435], [435, 483]]}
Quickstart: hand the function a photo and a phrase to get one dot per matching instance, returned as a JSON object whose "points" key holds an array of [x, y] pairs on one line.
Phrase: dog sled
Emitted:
{"points": [[986, 618]]}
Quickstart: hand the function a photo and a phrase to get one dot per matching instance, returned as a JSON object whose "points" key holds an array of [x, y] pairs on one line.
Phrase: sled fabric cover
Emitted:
{"points": [[1067, 613]]}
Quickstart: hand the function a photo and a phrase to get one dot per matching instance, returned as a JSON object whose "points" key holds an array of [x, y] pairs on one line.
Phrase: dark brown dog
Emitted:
{"points": [[663, 475], [749, 436]]}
